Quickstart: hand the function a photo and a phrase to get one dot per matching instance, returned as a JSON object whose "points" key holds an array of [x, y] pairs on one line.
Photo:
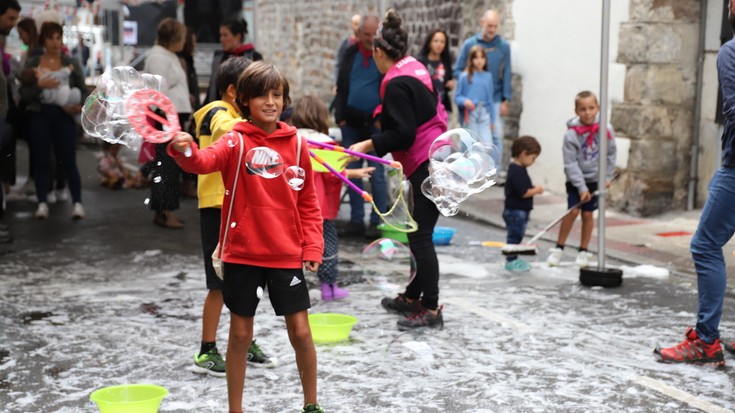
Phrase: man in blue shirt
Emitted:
{"points": [[497, 50], [716, 227], [358, 94]]}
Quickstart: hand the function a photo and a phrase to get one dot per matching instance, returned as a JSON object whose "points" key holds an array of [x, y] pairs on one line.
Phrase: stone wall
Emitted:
{"points": [[302, 37], [659, 47]]}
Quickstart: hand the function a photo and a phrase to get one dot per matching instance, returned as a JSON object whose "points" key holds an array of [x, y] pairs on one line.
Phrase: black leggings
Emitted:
{"points": [[425, 285]]}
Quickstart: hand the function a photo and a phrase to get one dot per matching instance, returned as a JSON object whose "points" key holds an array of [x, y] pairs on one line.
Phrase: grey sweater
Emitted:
{"points": [[581, 161]]}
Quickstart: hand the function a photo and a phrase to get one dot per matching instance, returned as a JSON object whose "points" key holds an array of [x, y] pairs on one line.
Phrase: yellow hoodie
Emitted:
{"points": [[212, 121]]}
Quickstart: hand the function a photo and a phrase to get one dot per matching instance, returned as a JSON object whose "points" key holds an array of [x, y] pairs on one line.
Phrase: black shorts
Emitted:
{"points": [[573, 197], [286, 288], [209, 221]]}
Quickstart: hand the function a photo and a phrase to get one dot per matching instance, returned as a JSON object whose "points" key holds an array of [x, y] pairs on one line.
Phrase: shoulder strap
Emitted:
{"points": [[232, 194], [298, 149]]}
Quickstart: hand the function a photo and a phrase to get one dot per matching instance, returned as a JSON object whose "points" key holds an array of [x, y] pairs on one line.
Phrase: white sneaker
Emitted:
{"points": [[554, 257], [583, 259], [29, 187], [62, 195], [78, 211], [51, 197], [42, 210]]}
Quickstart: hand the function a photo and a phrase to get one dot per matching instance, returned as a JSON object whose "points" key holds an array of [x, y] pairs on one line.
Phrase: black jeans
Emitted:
{"points": [[425, 285]]}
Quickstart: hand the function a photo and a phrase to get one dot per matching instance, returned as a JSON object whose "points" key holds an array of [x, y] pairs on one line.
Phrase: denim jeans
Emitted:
{"points": [[716, 227], [515, 223], [378, 180], [498, 135]]}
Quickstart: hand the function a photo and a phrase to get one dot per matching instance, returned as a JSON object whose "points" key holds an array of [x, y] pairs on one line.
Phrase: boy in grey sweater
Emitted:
{"points": [[581, 166]]}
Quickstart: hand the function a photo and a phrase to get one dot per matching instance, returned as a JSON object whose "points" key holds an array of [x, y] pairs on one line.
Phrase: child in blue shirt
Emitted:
{"points": [[519, 193], [474, 99]]}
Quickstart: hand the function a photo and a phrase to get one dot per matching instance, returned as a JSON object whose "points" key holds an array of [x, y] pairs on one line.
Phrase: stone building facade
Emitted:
{"points": [[659, 45], [302, 37]]}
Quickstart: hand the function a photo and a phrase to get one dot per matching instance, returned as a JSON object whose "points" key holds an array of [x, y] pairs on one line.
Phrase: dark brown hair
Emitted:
{"points": [[49, 29], [257, 80], [392, 37], [310, 112], [525, 143], [28, 25]]}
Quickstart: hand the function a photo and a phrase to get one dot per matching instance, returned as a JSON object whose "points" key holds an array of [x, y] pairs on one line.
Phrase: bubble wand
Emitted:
{"points": [[333, 147], [399, 213], [366, 196]]}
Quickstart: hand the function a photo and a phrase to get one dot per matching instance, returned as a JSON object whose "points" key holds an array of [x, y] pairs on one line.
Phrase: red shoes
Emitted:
{"points": [[692, 350]]}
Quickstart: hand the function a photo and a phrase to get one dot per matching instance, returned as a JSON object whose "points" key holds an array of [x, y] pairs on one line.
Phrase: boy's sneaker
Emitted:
{"points": [[583, 259], [399, 305], [257, 358], [210, 363], [77, 211], [422, 318], [518, 265], [554, 257], [692, 350], [62, 195], [312, 408]]}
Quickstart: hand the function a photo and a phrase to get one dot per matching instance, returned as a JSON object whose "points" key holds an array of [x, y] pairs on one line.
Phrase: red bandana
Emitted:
{"points": [[590, 130], [366, 54]]}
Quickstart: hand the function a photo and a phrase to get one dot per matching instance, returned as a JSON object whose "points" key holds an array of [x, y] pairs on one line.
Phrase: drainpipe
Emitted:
{"points": [[694, 162]]}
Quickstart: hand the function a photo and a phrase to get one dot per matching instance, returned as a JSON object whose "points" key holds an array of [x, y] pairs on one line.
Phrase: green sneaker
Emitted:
{"points": [[210, 363], [312, 408], [517, 265], [257, 358]]}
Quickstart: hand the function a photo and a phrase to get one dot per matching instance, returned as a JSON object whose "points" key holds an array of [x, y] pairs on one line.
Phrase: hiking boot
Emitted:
{"points": [[210, 363], [692, 350], [518, 265], [312, 408], [257, 358], [554, 258], [583, 259], [399, 305], [372, 232], [422, 318]]}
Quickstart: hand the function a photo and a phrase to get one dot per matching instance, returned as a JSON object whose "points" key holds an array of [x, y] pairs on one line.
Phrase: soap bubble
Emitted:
{"points": [[104, 113], [388, 264], [295, 176], [265, 162], [460, 165]]}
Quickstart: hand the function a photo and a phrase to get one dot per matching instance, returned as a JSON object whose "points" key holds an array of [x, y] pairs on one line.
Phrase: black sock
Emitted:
{"points": [[207, 346], [582, 249], [560, 246]]}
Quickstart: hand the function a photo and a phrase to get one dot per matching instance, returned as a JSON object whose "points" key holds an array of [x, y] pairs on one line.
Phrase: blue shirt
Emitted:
{"points": [[480, 90], [364, 85], [498, 63], [726, 75]]}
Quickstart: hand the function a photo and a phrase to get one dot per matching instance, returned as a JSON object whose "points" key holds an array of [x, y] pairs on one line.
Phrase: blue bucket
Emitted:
{"points": [[443, 235]]}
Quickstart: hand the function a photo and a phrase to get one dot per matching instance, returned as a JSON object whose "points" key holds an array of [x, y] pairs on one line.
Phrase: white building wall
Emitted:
{"points": [[557, 52]]}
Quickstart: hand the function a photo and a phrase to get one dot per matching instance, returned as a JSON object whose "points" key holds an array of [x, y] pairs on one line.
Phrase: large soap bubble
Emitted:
{"points": [[388, 264], [104, 114], [460, 165], [265, 162]]}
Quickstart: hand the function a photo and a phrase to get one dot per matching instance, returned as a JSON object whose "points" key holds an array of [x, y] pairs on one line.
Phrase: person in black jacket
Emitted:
{"points": [[358, 94], [411, 118], [438, 61], [232, 35]]}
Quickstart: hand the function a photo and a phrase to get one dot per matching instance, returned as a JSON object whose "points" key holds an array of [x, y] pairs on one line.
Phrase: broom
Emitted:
{"points": [[530, 249]]}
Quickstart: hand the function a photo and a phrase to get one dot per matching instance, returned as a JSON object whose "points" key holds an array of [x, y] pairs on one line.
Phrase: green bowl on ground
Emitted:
{"points": [[386, 231], [129, 398], [331, 327]]}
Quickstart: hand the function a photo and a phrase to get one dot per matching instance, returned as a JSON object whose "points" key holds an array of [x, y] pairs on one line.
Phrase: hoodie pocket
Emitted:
{"points": [[266, 231]]}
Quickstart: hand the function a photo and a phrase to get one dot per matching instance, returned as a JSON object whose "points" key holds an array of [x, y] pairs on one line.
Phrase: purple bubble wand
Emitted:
{"points": [[366, 196], [332, 147]]}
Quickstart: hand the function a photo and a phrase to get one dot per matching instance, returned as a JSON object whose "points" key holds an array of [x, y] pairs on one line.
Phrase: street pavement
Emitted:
{"points": [[114, 299]]}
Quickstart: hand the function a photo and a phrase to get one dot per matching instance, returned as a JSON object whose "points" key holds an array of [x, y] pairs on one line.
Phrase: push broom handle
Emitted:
{"points": [[556, 221], [366, 196], [338, 148]]}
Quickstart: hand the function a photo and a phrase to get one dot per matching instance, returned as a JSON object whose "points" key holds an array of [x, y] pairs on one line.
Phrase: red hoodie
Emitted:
{"points": [[271, 225]]}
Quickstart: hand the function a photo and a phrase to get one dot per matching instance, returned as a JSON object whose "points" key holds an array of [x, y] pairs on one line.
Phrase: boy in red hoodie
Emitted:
{"points": [[269, 231]]}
